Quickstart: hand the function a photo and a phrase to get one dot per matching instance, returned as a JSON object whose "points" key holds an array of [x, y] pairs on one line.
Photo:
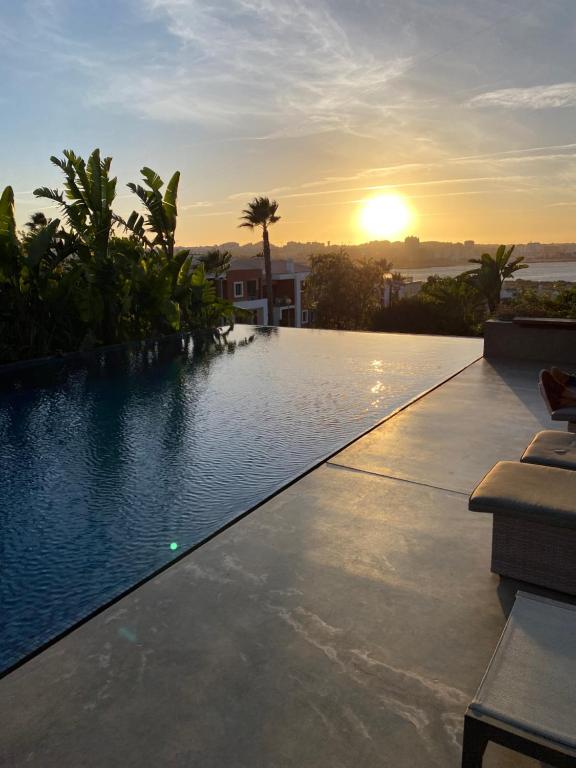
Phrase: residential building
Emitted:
{"points": [[245, 285]]}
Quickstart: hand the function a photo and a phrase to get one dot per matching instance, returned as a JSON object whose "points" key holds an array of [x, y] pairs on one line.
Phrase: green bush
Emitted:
{"points": [[527, 302], [445, 305]]}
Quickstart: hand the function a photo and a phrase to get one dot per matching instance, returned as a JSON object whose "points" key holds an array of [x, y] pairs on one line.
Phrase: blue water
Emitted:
{"points": [[539, 271], [110, 474]]}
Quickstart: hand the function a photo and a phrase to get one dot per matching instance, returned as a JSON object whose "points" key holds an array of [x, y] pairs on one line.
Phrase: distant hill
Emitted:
{"points": [[403, 254]]}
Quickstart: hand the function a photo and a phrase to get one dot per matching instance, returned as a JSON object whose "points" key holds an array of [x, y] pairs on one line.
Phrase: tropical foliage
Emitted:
{"points": [[559, 301], [489, 276], [261, 212], [88, 277], [444, 305], [216, 262], [345, 294], [348, 294]]}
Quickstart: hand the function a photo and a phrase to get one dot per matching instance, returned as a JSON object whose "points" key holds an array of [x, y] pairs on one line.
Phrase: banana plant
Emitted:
{"points": [[79, 284], [87, 200], [32, 288], [202, 311], [216, 262], [161, 210], [86, 203], [492, 271], [9, 246]]}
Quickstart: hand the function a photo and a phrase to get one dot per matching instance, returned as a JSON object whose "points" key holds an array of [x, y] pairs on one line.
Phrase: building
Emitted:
{"points": [[245, 285]]}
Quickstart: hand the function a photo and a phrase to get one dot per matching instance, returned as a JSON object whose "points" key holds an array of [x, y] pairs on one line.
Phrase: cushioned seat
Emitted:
{"points": [[527, 698], [531, 681], [542, 494], [567, 413], [552, 448], [534, 523], [551, 393]]}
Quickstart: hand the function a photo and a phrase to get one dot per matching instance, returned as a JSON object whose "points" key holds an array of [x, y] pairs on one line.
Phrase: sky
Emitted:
{"points": [[464, 109]]}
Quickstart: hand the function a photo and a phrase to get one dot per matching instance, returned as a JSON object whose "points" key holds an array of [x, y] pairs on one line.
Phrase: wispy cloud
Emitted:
{"points": [[243, 195], [535, 97], [196, 204], [402, 173], [286, 66], [411, 185]]}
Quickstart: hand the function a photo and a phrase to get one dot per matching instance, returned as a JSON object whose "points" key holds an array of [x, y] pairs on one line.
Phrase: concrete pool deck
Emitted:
{"points": [[348, 621]]}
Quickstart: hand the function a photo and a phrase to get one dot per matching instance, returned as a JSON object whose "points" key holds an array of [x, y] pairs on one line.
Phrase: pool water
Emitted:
{"points": [[108, 475]]}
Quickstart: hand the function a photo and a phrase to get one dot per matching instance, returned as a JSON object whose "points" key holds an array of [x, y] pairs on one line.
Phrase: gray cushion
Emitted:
{"points": [[567, 413], [543, 494], [552, 448], [531, 681], [564, 414]]}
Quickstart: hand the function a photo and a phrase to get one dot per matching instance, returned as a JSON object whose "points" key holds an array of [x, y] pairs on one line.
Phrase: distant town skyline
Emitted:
{"points": [[411, 253], [464, 111]]}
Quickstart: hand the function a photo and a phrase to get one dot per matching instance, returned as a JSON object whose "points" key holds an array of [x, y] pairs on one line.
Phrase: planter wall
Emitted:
{"points": [[531, 339]]}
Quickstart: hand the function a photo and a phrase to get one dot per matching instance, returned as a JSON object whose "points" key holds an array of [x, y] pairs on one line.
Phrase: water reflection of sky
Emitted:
{"points": [[109, 475]]}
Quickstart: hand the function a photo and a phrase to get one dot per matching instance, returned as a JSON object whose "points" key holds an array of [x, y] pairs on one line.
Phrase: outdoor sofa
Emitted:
{"points": [[551, 394], [534, 522]]}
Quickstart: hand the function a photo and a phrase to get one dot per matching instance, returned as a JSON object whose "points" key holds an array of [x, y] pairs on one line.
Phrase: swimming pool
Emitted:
{"points": [[108, 475]]}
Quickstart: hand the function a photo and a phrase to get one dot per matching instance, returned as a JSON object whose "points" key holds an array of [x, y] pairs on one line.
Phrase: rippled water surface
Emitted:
{"points": [[109, 475]]}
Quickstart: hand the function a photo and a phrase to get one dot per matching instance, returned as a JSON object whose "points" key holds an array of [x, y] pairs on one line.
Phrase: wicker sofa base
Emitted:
{"points": [[534, 552]]}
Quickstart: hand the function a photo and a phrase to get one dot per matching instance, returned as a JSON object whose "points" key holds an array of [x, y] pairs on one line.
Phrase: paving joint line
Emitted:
{"points": [[393, 477]]}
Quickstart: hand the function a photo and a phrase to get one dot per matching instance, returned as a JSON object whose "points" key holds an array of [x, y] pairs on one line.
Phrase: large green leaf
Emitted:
{"points": [[7, 218], [39, 243], [9, 246], [170, 201], [152, 179], [96, 188]]}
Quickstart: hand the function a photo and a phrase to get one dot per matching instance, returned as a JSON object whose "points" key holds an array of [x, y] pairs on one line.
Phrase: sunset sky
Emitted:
{"points": [[464, 108]]}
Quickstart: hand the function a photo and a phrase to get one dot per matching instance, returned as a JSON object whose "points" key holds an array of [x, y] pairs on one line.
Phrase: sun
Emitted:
{"points": [[385, 216]]}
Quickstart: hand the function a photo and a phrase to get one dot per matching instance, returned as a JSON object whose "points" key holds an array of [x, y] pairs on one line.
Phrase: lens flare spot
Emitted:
{"points": [[174, 546]]}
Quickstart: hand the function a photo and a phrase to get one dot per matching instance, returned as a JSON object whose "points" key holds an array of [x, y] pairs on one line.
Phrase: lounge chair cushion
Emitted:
{"points": [[531, 681], [543, 494], [551, 393], [563, 414], [552, 448]]}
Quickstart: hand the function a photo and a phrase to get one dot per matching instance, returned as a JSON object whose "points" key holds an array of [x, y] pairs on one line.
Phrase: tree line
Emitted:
{"points": [[348, 294]]}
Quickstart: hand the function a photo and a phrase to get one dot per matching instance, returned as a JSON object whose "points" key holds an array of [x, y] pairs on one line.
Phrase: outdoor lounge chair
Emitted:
{"points": [[549, 389], [534, 522], [527, 699], [552, 448]]}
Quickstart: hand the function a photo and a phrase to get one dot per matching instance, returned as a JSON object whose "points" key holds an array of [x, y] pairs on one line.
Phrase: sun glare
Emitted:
{"points": [[385, 216]]}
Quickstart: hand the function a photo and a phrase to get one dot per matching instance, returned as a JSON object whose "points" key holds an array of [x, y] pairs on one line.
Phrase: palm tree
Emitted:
{"points": [[493, 270], [216, 262], [261, 212], [37, 221]]}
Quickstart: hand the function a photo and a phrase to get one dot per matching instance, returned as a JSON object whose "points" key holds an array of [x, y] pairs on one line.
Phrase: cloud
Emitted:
{"points": [[284, 68], [550, 153], [242, 195], [196, 204], [535, 97], [404, 185]]}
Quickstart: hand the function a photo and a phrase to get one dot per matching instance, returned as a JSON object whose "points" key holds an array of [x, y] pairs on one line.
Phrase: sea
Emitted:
{"points": [[539, 271]]}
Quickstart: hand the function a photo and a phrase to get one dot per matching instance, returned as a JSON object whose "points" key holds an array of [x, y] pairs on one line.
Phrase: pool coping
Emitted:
{"points": [[279, 489]]}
